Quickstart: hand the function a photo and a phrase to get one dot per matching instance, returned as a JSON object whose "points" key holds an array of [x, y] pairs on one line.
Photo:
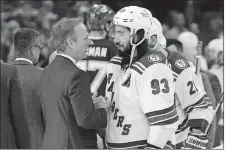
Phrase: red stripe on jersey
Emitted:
{"points": [[137, 69], [198, 103], [164, 116], [115, 62], [134, 144]]}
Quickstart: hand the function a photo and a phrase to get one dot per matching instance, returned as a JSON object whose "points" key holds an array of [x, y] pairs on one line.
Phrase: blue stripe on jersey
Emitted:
{"points": [[134, 144], [137, 69], [115, 62], [174, 80], [184, 125], [150, 146], [202, 103], [117, 58], [140, 66], [169, 145], [161, 112], [166, 121], [163, 117], [175, 74], [154, 119]]}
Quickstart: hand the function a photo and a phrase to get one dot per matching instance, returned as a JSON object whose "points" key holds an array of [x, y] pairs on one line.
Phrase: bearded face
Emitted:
{"points": [[122, 40]]}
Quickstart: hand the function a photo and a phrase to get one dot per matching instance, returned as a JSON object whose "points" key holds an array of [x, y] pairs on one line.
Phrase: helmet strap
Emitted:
{"points": [[133, 48], [156, 45]]}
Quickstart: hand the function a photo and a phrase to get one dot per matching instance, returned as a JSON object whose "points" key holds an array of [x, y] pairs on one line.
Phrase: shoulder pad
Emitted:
{"points": [[178, 62], [116, 60], [147, 60]]}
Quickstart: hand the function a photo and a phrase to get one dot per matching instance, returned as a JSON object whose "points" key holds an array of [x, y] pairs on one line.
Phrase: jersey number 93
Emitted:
{"points": [[160, 86]]}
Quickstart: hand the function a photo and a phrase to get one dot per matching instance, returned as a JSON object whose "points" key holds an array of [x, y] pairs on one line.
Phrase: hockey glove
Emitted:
{"points": [[196, 141]]}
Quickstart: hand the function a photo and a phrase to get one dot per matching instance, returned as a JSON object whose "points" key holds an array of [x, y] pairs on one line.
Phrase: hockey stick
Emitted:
{"points": [[198, 57], [215, 112]]}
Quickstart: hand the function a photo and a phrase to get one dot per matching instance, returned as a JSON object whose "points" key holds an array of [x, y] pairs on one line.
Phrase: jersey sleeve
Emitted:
{"points": [[193, 99], [156, 95]]}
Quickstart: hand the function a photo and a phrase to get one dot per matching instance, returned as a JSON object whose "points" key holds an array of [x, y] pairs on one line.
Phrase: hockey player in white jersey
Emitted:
{"points": [[192, 103], [140, 87]]}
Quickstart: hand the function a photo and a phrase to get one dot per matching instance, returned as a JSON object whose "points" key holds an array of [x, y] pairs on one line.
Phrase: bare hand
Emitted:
{"points": [[101, 102]]}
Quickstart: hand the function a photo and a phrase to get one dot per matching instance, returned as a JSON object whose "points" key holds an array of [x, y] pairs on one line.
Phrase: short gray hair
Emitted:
{"points": [[62, 29]]}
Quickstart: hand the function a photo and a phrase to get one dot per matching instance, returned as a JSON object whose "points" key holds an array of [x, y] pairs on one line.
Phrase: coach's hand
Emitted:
{"points": [[102, 102]]}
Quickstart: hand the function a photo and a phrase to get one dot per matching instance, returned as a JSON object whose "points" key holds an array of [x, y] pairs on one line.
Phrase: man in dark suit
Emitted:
{"points": [[209, 91], [27, 48], [216, 89], [69, 114], [215, 85], [14, 129]]}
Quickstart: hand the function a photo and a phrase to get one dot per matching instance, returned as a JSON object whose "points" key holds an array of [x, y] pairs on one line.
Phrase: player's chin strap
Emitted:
{"points": [[156, 45], [133, 48], [131, 57]]}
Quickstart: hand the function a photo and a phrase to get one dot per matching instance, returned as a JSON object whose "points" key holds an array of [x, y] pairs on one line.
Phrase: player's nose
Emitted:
{"points": [[116, 40]]}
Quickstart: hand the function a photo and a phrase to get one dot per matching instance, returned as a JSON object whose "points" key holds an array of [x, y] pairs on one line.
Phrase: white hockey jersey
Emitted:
{"points": [[143, 108], [192, 103]]}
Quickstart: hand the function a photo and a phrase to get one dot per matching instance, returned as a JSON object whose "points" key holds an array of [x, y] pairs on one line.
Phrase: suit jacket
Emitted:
{"points": [[215, 85], [70, 117], [208, 88], [29, 76], [14, 129]]}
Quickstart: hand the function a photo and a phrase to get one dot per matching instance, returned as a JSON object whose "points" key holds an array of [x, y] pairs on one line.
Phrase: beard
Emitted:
{"points": [[126, 52]]}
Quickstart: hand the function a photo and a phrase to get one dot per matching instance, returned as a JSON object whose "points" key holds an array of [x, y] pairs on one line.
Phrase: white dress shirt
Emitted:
{"points": [[24, 59], [69, 57]]}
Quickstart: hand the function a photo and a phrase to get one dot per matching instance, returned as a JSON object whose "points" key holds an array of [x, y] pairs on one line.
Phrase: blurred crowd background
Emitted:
{"points": [[202, 17]]}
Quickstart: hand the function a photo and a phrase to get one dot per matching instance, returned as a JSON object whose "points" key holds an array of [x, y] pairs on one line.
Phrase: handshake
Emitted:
{"points": [[102, 102]]}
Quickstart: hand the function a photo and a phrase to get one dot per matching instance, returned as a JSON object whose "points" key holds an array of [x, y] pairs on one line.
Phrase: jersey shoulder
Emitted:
{"points": [[104, 42], [149, 59], [178, 62], [110, 45], [116, 60], [101, 50]]}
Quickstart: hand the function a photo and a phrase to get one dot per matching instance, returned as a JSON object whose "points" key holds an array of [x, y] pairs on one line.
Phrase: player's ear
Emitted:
{"points": [[138, 36], [32, 51], [153, 40], [135, 39], [107, 27], [70, 42]]}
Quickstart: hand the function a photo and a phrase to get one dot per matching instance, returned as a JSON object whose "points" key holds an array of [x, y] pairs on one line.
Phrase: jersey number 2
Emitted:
{"points": [[156, 89], [193, 88]]}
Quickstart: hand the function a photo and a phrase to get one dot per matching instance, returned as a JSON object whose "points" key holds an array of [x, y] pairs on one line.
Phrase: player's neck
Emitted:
{"points": [[162, 50], [97, 35]]}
